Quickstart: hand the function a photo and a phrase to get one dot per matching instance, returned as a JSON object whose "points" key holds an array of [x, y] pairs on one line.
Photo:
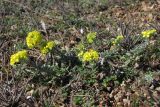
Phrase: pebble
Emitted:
{"points": [[116, 99], [151, 87], [28, 97], [126, 102], [145, 95], [109, 89], [158, 89], [119, 104], [30, 93]]}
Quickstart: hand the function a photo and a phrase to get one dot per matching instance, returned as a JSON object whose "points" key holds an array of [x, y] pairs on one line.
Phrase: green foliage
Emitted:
{"points": [[91, 37], [84, 67], [148, 77], [78, 100], [108, 79]]}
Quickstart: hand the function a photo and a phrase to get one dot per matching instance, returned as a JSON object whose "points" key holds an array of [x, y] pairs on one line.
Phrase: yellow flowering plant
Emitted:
{"points": [[33, 39], [90, 55], [148, 33], [17, 57], [47, 47]]}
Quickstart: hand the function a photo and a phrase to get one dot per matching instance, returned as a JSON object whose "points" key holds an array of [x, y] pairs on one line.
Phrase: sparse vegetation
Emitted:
{"points": [[79, 53]]}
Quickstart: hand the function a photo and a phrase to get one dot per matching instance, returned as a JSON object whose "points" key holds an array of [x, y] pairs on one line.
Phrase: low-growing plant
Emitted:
{"points": [[75, 54]]}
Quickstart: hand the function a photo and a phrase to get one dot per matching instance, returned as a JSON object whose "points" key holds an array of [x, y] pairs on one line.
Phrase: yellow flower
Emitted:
{"points": [[91, 36], [50, 45], [148, 33], [118, 39], [15, 58], [90, 55], [47, 47], [33, 39]]}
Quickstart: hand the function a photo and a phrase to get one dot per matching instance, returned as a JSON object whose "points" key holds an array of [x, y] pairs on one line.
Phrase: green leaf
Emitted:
{"points": [[91, 37]]}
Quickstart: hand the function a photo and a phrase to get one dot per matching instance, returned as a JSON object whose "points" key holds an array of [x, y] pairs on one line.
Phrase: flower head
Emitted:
{"points": [[90, 55], [48, 46], [33, 39], [91, 36], [17, 57], [148, 33]]}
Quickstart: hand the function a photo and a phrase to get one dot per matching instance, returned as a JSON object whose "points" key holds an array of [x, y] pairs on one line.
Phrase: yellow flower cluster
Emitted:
{"points": [[89, 55], [91, 36], [33, 39], [17, 57], [118, 39], [148, 33], [47, 47]]}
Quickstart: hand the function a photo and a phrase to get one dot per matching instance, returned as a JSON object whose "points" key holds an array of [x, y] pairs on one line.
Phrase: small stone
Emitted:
{"points": [[151, 87], [136, 93], [111, 95], [28, 97], [136, 65], [109, 89], [32, 85], [30, 93], [148, 97], [116, 99], [81, 31], [129, 80], [126, 102], [158, 89], [145, 95], [119, 104]]}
